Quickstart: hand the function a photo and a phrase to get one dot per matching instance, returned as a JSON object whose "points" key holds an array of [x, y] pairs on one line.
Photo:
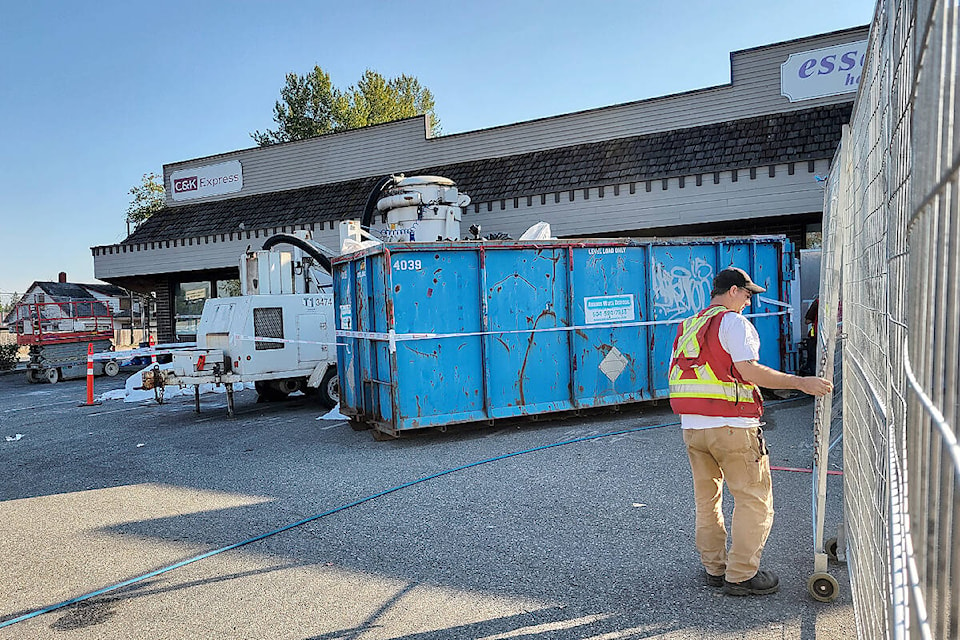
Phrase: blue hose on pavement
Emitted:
{"points": [[208, 554], [237, 545]]}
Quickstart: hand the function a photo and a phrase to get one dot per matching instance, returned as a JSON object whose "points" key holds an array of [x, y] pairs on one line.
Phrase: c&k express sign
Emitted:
{"points": [[212, 180]]}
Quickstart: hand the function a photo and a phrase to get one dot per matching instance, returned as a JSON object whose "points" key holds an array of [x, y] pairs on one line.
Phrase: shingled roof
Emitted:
{"points": [[796, 136]]}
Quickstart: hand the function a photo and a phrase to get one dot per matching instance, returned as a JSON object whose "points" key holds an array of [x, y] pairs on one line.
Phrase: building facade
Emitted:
{"points": [[741, 158]]}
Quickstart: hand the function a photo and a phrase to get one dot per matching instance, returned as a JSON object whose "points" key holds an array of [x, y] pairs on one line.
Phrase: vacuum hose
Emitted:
{"points": [[311, 249], [372, 199]]}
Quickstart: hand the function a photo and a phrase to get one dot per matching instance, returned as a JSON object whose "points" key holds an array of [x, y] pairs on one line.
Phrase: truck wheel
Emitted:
{"points": [[329, 389], [33, 376], [52, 375], [287, 385], [111, 368]]}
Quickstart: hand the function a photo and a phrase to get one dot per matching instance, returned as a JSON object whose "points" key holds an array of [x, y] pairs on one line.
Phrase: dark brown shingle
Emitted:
{"points": [[810, 134]]}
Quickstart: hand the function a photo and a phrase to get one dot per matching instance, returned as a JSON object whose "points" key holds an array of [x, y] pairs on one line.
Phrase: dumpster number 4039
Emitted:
{"points": [[408, 265]]}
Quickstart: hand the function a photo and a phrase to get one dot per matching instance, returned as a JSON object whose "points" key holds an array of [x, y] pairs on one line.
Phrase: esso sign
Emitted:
{"points": [[823, 72]]}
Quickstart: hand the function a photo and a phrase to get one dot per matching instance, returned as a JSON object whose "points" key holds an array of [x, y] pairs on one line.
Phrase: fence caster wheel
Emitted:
{"points": [[52, 375], [823, 587], [111, 368], [830, 548]]}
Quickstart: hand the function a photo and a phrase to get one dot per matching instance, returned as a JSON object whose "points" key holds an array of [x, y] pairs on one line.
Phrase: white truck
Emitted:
{"points": [[279, 334]]}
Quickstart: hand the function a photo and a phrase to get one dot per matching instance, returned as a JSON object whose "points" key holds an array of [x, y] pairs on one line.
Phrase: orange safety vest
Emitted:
{"points": [[703, 380]]}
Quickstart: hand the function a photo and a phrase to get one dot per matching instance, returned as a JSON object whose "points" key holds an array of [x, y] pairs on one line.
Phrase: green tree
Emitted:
{"points": [[7, 307], [311, 106], [147, 198]]}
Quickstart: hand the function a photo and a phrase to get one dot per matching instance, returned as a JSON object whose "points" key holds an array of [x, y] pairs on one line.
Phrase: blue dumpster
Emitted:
{"points": [[433, 334]]}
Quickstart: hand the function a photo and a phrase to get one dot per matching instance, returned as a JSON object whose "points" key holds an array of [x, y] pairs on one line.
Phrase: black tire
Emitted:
{"points": [[111, 368], [52, 375], [830, 548], [329, 389], [34, 377]]}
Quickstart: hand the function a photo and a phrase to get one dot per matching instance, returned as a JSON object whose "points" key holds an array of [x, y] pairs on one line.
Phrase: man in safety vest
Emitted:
{"points": [[714, 386]]}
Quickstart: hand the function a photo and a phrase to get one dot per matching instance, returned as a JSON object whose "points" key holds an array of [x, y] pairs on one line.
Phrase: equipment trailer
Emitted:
{"points": [[278, 334]]}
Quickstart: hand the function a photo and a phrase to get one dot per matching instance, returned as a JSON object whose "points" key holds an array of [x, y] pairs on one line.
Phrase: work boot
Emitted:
{"points": [[765, 582], [712, 581]]}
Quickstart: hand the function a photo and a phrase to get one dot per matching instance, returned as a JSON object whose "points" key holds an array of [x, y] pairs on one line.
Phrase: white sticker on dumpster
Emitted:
{"points": [[346, 319], [608, 309]]}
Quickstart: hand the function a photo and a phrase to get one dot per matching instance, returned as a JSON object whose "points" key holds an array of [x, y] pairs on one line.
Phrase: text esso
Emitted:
{"points": [[829, 64]]}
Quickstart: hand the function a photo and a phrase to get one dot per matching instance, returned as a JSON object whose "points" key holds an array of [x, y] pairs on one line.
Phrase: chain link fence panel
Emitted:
{"points": [[892, 210]]}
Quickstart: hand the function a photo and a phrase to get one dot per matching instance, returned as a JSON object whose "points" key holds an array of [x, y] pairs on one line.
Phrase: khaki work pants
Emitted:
{"points": [[739, 456]]}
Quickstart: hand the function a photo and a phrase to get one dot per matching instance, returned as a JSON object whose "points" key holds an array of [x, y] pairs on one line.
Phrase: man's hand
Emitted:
{"points": [[815, 386], [758, 374]]}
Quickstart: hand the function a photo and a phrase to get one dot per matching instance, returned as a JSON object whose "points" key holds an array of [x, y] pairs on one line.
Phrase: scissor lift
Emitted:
{"points": [[58, 335]]}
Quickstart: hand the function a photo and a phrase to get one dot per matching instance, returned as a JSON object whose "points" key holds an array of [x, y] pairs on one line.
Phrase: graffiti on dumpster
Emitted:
{"points": [[679, 291]]}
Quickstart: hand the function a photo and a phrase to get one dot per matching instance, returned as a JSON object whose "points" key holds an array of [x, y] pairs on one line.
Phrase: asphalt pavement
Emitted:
{"points": [[589, 540]]}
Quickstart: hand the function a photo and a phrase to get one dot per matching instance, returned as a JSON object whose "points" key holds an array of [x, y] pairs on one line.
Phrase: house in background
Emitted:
{"points": [[125, 309]]}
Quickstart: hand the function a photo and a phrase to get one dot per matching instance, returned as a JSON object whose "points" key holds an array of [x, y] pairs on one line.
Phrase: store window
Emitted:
{"points": [[188, 306], [813, 236]]}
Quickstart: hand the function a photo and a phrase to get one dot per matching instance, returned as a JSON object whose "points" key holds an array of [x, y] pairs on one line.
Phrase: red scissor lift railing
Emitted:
{"points": [[46, 323]]}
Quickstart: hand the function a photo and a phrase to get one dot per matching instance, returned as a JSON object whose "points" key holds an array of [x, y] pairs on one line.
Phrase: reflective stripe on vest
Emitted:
{"points": [[692, 378], [687, 344]]}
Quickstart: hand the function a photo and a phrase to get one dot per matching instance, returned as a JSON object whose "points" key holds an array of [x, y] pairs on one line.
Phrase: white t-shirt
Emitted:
{"points": [[740, 339]]}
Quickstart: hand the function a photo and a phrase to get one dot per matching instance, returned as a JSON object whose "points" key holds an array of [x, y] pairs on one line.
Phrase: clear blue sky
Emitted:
{"points": [[95, 94]]}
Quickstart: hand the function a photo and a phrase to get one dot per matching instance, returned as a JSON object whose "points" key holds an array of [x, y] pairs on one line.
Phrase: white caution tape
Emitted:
{"points": [[392, 337], [158, 350], [235, 337], [776, 303]]}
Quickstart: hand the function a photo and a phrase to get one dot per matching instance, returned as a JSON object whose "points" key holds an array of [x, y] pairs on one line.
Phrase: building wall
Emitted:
{"points": [[388, 148], [624, 207]]}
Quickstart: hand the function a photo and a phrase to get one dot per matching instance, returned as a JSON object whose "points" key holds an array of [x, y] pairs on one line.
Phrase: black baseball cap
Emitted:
{"points": [[732, 276]]}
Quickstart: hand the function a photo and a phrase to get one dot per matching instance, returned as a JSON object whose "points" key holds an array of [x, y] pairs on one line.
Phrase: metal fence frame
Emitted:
{"points": [[892, 206]]}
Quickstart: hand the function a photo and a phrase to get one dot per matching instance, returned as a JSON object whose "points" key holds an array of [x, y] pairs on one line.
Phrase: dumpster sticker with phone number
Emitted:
{"points": [[598, 309]]}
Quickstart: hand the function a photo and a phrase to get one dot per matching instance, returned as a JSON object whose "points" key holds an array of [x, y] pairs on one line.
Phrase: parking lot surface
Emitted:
{"points": [[588, 540]]}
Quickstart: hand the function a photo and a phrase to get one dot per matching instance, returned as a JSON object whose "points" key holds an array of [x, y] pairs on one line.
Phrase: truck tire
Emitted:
{"points": [[53, 375], [33, 376], [111, 368], [329, 390]]}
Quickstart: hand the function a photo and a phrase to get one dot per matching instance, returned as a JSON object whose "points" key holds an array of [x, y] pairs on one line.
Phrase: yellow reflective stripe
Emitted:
{"points": [[688, 346], [705, 396], [706, 387], [704, 372], [703, 388]]}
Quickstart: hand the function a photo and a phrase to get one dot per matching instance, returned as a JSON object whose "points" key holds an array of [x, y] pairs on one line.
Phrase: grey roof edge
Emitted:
{"points": [[669, 96], [619, 105], [227, 154], [829, 34]]}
